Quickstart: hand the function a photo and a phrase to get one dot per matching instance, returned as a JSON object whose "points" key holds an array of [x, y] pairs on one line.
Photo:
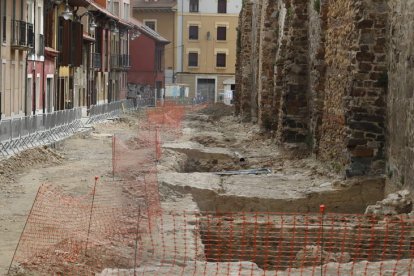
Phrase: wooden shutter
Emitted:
{"points": [[76, 44], [64, 46]]}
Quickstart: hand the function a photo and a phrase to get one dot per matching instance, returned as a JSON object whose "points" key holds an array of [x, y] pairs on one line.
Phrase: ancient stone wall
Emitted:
{"points": [[340, 36], [293, 112], [400, 100], [244, 69], [316, 76], [269, 29], [317, 70]]}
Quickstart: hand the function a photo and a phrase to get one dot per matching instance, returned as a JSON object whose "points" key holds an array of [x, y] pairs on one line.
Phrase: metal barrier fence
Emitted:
{"points": [[26, 132], [105, 111], [22, 133]]}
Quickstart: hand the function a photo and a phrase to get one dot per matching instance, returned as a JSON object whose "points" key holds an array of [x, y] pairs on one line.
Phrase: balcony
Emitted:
{"points": [[96, 61], [22, 35], [120, 62]]}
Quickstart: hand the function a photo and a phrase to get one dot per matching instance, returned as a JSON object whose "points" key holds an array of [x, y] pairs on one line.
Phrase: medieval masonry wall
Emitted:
{"points": [[400, 95], [318, 76]]}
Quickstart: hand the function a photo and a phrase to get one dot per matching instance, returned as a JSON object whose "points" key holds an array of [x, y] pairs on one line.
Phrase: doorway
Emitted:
{"points": [[206, 90]]}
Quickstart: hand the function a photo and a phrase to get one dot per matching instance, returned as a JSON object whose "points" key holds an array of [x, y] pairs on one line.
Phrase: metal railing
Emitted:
{"points": [[19, 134], [96, 60], [22, 34], [27, 132], [110, 110], [120, 61], [125, 61]]}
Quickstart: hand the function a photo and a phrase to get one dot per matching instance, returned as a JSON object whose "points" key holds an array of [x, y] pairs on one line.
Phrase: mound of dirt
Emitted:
{"points": [[217, 111], [32, 158]]}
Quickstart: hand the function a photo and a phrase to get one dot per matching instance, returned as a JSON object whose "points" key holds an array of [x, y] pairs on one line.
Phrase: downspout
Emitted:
{"points": [[34, 77], [44, 62], [173, 50], [1, 59], [25, 83], [182, 36]]}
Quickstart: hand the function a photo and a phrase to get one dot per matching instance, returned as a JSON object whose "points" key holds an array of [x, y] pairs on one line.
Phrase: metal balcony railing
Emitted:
{"points": [[120, 62], [114, 62], [96, 60], [22, 35], [126, 61]]}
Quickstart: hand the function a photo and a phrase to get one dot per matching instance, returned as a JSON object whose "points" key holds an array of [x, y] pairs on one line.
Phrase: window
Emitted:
{"points": [[193, 5], [115, 9], [221, 60], [192, 59], [193, 33], [4, 22], [152, 24], [222, 6], [221, 33], [126, 11]]}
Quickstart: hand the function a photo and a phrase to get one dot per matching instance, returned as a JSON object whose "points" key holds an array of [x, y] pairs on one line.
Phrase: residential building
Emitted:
{"points": [[207, 34], [17, 39], [204, 35], [161, 16], [147, 62]]}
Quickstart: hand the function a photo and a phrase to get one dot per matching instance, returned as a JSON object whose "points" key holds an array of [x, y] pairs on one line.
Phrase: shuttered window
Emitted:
{"points": [[192, 59], [221, 33], [193, 33], [222, 6], [77, 43], [70, 42], [221, 60]]}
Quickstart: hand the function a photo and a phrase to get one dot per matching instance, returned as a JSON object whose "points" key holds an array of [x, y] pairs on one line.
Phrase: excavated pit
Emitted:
{"points": [[196, 170], [192, 168]]}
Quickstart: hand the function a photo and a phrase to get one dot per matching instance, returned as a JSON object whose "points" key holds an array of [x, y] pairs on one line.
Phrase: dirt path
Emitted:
{"points": [[72, 166]]}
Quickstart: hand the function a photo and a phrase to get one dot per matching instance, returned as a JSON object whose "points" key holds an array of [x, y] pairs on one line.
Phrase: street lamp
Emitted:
{"points": [[113, 28], [67, 13], [92, 23], [135, 34]]}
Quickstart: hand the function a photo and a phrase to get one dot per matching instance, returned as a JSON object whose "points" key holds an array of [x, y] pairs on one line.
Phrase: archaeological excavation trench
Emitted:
{"points": [[252, 211]]}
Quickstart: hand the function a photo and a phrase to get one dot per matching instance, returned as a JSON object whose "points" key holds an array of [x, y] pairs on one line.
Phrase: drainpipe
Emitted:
{"points": [[44, 61], [34, 75], [25, 83], [1, 60]]}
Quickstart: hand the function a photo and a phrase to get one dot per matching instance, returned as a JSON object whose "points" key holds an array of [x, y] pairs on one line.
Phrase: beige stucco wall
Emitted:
{"points": [[190, 80], [166, 24], [208, 47], [12, 68]]}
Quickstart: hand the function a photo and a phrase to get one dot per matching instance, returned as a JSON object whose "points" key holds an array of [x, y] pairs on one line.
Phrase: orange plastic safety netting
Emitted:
{"points": [[168, 118], [204, 243], [121, 228]]}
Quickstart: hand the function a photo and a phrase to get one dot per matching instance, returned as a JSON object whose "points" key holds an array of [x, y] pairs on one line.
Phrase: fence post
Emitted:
{"points": [[322, 211], [24, 228], [113, 156], [136, 240], [90, 215]]}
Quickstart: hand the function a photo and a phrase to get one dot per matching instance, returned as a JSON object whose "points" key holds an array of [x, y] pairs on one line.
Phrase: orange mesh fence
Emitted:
{"points": [[134, 159], [121, 228], [203, 243], [168, 117]]}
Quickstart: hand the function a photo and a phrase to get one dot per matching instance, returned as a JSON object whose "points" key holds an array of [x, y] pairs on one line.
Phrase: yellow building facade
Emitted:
{"points": [[208, 53], [204, 35]]}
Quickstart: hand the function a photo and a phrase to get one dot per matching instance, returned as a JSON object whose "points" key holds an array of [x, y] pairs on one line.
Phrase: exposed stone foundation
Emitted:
{"points": [[314, 72]]}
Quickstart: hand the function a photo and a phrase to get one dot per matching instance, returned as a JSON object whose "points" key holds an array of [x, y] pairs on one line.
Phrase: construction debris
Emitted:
{"points": [[394, 204]]}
